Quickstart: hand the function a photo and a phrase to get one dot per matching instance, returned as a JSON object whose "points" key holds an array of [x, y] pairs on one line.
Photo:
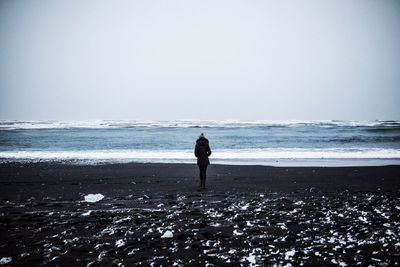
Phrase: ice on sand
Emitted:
{"points": [[289, 254], [120, 243], [251, 259], [5, 260], [93, 197], [87, 213], [167, 234]]}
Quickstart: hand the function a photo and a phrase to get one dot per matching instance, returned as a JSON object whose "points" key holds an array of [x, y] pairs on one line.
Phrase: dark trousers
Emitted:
{"points": [[203, 170]]}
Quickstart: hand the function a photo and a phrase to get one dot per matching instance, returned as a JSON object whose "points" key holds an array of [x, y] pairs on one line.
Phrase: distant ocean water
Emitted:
{"points": [[279, 143]]}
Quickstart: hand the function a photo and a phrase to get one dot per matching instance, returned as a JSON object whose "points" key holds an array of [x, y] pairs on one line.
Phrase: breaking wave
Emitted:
{"points": [[112, 124], [185, 156]]}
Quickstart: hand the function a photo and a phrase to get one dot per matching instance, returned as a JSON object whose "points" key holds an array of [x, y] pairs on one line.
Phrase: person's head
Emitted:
{"points": [[201, 136]]}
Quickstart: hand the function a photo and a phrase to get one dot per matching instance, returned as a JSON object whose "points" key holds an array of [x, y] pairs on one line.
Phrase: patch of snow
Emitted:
{"points": [[381, 213], [363, 219], [133, 251], [167, 234], [331, 240], [232, 251], [294, 211], [108, 230], [93, 197], [123, 220], [251, 259], [282, 226], [120, 243], [245, 207], [289, 254], [101, 255], [101, 244], [388, 232], [236, 232], [248, 223], [87, 213]]}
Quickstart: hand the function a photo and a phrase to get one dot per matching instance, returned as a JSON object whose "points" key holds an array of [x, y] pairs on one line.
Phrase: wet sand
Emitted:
{"points": [[247, 215]]}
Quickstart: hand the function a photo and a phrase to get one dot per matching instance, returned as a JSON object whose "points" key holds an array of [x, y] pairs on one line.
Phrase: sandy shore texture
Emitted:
{"points": [[156, 214]]}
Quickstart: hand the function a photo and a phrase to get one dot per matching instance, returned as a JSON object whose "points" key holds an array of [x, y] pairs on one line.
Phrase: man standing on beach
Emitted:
{"points": [[202, 151]]}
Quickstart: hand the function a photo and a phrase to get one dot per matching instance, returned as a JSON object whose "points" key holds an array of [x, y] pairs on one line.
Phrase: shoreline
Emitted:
{"points": [[286, 162], [246, 215]]}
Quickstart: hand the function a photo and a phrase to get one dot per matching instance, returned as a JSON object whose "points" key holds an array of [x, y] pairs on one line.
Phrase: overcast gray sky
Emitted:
{"points": [[200, 60]]}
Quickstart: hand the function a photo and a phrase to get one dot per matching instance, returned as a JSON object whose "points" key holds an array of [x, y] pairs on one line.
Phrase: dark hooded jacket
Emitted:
{"points": [[202, 151]]}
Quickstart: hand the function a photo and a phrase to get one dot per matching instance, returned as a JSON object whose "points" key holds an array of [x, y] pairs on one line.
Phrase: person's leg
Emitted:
{"points": [[201, 176], [204, 176]]}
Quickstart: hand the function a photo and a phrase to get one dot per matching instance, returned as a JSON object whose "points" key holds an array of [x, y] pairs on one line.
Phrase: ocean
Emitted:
{"points": [[277, 143]]}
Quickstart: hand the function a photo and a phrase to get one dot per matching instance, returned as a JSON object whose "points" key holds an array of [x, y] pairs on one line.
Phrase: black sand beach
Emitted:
{"points": [[247, 215]]}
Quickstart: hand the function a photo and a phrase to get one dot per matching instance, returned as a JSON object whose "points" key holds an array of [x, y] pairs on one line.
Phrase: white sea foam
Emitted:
{"points": [[277, 157], [227, 154], [102, 124]]}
